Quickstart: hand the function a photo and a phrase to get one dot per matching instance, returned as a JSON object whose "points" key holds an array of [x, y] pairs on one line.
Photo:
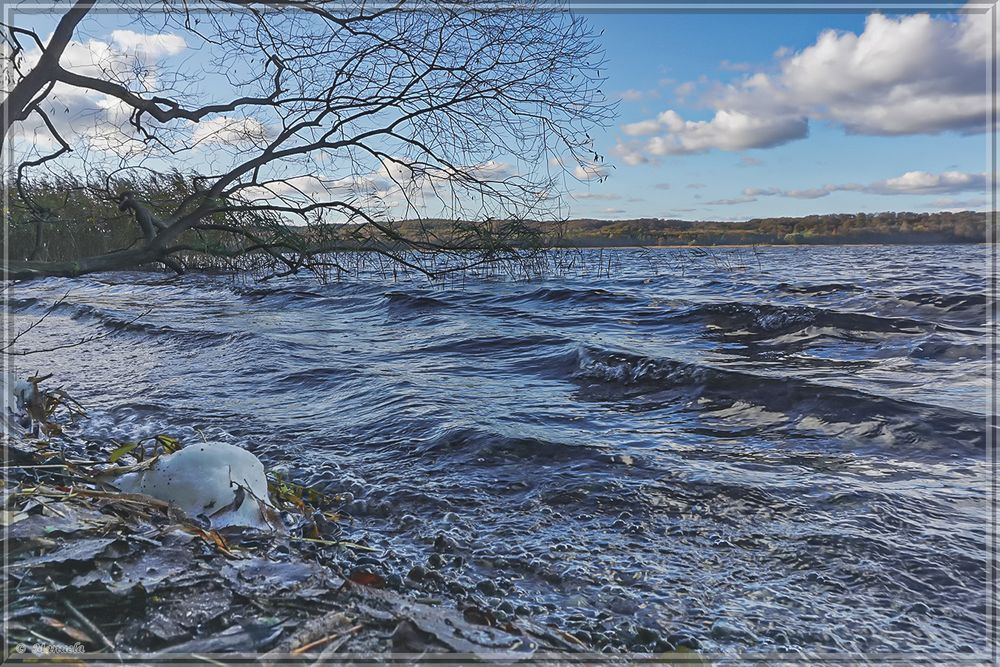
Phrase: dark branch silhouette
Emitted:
{"points": [[299, 128]]}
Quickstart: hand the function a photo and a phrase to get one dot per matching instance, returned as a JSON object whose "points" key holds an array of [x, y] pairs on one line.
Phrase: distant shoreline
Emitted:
{"points": [[766, 245]]}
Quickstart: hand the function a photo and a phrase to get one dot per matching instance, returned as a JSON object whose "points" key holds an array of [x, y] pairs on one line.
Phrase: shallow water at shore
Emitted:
{"points": [[788, 455]]}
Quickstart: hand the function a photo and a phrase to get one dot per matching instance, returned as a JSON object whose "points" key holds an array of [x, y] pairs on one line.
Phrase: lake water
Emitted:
{"points": [[782, 451]]}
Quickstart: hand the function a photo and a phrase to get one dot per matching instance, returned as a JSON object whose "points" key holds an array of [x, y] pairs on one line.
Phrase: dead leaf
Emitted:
{"points": [[367, 579]]}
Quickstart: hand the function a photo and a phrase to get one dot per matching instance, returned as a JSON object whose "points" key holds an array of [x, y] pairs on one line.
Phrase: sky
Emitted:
{"points": [[813, 113], [735, 116]]}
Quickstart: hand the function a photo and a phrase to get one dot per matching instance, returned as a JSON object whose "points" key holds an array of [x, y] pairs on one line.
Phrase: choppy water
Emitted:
{"points": [[792, 453]]}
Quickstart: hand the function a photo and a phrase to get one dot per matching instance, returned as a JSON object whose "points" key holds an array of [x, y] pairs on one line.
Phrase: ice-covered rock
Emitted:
{"points": [[223, 483]]}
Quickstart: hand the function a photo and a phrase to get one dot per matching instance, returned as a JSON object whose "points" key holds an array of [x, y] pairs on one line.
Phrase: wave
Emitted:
{"points": [[127, 322], [949, 302], [759, 321], [735, 397], [573, 296], [407, 301], [818, 290]]}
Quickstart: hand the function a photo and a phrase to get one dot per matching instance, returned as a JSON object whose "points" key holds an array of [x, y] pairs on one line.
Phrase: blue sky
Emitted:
{"points": [[653, 58], [734, 116]]}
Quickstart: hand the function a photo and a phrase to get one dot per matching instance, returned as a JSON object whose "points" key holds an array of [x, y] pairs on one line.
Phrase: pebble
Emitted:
{"points": [[443, 543], [723, 629], [487, 587]]}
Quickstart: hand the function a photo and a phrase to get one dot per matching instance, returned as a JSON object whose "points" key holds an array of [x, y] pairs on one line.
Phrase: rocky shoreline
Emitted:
{"points": [[97, 574]]}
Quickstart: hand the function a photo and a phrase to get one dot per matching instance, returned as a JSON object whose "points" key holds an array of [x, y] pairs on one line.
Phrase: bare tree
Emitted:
{"points": [[297, 127]]}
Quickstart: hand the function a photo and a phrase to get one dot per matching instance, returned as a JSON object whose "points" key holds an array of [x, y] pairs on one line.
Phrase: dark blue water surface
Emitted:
{"points": [[780, 448]]}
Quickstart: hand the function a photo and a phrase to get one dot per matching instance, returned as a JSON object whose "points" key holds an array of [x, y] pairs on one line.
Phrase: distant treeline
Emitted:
{"points": [[65, 220], [963, 227]]}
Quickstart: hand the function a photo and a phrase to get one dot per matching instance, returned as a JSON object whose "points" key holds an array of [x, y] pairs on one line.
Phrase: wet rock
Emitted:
{"points": [[684, 640], [417, 573], [357, 508], [435, 561], [726, 630], [918, 608], [486, 587], [644, 635], [444, 544], [372, 562]]}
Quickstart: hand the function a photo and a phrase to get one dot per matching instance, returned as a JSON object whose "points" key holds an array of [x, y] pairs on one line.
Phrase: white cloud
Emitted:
{"points": [[100, 120], [921, 182], [630, 155], [910, 183], [727, 130], [591, 172], [912, 74], [641, 128], [150, 46]]}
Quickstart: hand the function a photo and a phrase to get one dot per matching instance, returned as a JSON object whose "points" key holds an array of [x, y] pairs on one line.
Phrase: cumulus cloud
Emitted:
{"points": [[913, 74], [727, 130], [101, 120], [630, 155], [150, 46], [910, 183], [591, 172], [921, 182]]}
